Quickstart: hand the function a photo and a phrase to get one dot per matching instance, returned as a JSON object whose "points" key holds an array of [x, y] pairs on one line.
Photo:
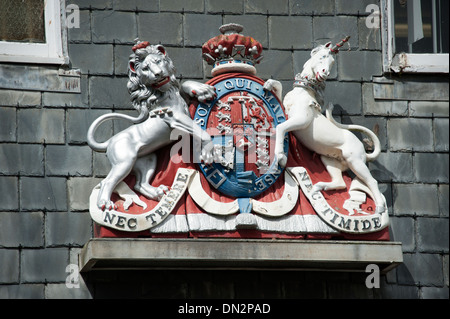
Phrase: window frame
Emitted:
{"points": [[401, 62], [54, 51]]}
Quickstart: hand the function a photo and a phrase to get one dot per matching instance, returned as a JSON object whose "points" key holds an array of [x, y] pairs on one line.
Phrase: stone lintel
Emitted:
{"points": [[220, 253]]}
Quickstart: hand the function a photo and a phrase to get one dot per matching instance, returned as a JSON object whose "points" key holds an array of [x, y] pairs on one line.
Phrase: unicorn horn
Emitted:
{"points": [[335, 49]]}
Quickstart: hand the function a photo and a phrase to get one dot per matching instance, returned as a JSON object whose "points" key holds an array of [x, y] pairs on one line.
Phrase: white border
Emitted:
{"points": [[51, 52], [405, 62]]}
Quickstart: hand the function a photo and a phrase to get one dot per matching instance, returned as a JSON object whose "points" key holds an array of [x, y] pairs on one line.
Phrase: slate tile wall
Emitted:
{"points": [[47, 170]]}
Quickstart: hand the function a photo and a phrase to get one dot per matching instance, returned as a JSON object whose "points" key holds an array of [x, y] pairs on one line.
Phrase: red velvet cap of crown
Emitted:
{"points": [[231, 45], [229, 42]]}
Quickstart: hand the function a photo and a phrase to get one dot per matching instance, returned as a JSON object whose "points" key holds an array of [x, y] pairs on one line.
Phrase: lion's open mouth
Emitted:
{"points": [[161, 82]]}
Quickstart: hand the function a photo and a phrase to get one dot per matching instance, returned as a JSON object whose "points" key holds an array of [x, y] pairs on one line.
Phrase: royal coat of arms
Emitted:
{"points": [[256, 165]]}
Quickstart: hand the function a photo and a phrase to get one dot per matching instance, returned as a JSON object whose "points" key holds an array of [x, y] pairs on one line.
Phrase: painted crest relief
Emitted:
{"points": [[258, 165], [241, 123]]}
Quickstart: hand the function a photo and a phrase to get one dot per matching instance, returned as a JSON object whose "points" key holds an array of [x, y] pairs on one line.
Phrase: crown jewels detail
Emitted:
{"points": [[232, 48]]}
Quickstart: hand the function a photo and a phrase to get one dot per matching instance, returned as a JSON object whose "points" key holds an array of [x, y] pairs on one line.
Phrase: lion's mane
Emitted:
{"points": [[139, 93]]}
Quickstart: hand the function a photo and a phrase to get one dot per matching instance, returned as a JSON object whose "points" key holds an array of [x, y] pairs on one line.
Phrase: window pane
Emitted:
{"points": [[424, 45], [443, 25], [401, 26], [421, 26], [22, 20]]}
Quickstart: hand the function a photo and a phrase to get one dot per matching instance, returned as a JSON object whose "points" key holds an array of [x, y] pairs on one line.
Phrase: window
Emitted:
{"points": [[415, 36], [30, 32]]}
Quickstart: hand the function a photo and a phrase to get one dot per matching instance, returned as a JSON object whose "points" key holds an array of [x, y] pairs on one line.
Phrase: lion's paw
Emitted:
{"points": [[151, 192], [204, 92], [161, 190], [106, 205]]}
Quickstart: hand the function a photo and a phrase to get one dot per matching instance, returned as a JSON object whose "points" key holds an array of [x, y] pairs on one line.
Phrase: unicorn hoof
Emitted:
{"points": [[281, 159]]}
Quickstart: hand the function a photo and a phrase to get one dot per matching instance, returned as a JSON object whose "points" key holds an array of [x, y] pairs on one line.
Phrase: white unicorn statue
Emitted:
{"points": [[339, 148]]}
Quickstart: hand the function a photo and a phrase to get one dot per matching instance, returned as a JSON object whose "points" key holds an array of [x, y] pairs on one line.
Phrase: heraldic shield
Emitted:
{"points": [[241, 122], [231, 182]]}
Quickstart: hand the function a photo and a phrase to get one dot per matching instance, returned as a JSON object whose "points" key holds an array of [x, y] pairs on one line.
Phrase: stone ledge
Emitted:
{"points": [[221, 253], [39, 78]]}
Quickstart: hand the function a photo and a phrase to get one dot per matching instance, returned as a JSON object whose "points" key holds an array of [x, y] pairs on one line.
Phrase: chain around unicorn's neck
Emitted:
{"points": [[310, 83]]}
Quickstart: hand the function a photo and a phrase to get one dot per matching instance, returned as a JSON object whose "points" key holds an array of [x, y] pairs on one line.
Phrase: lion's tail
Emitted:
{"points": [[353, 127], [101, 147]]}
